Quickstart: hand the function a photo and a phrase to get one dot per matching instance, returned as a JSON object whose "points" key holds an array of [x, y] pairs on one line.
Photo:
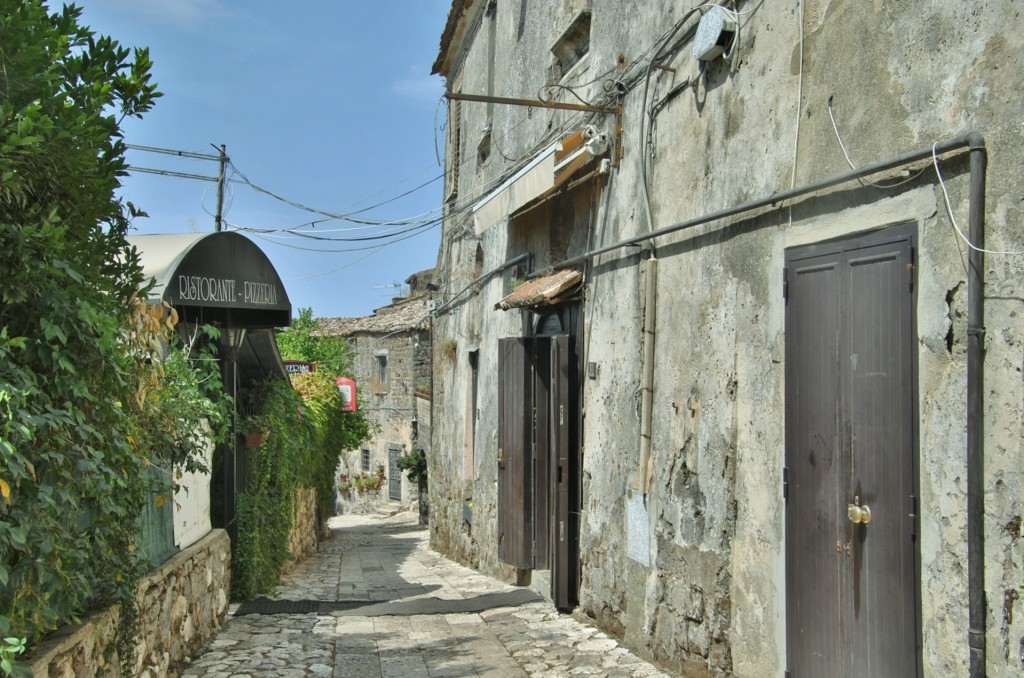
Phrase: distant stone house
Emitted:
{"points": [[392, 370], [714, 363]]}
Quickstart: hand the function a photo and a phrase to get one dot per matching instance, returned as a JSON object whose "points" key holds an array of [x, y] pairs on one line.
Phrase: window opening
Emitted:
{"points": [[382, 369], [572, 46]]}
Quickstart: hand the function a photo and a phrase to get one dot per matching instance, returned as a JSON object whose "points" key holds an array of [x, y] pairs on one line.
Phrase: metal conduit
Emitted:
{"points": [[975, 408], [497, 269], [773, 199]]}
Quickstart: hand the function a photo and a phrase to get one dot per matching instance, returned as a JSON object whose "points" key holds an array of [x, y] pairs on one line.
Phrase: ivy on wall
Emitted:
{"points": [[306, 431]]}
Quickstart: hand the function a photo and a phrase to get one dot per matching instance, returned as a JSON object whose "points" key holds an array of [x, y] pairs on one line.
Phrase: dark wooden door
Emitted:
{"points": [[515, 459], [851, 413], [565, 476]]}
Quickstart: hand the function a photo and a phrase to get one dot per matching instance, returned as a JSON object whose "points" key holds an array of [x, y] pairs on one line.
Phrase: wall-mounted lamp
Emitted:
{"points": [[233, 338]]}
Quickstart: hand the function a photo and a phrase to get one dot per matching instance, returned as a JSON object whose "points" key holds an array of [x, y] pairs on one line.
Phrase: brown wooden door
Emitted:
{"points": [[565, 476], [524, 452], [851, 413], [515, 463]]}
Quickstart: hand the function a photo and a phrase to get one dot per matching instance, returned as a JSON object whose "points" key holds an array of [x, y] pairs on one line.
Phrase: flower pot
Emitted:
{"points": [[255, 439]]}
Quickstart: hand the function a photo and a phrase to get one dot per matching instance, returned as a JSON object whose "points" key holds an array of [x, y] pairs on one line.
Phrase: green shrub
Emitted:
{"points": [[88, 401], [68, 464]]}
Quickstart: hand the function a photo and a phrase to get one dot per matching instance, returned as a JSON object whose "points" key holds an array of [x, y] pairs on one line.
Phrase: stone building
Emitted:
{"points": [[714, 363], [393, 375]]}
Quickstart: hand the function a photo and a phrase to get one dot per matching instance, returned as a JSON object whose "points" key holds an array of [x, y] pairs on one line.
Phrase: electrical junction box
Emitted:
{"points": [[715, 33]]}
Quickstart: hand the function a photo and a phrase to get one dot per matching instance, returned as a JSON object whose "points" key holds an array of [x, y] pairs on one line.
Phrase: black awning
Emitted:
{"points": [[221, 277]]}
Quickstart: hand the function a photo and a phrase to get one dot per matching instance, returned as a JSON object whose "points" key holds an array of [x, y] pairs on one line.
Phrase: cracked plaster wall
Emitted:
{"points": [[899, 76]]}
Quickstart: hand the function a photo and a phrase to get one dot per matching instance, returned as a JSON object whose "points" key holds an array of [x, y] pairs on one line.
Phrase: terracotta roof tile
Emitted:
{"points": [[405, 315]]}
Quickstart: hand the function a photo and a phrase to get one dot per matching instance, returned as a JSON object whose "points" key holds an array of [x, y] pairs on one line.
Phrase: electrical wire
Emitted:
{"points": [[396, 237], [799, 105], [314, 210], [850, 162], [949, 210], [351, 263]]}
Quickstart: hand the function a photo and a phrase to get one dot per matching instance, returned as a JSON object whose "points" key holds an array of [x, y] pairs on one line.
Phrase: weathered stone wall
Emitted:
{"points": [[306, 529], [390, 406], [181, 604], [898, 76]]}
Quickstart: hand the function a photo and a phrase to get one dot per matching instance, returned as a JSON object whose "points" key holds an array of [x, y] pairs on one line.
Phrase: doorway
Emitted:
{"points": [[539, 456], [852, 586]]}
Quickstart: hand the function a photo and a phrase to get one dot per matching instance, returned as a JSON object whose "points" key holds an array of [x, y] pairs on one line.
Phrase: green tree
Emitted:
{"points": [[302, 341], [70, 470]]}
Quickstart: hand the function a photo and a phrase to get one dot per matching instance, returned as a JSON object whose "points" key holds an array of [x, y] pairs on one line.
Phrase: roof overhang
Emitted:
{"points": [[546, 290]]}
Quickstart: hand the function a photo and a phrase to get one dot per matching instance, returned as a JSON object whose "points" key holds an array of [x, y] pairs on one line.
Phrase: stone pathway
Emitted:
{"points": [[376, 602]]}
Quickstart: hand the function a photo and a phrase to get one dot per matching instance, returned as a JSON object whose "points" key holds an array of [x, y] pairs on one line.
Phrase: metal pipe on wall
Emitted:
{"points": [[772, 200], [975, 407], [647, 386]]}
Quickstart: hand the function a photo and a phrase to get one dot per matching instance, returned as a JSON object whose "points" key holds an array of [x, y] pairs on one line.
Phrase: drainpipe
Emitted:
{"points": [[975, 408], [647, 386]]}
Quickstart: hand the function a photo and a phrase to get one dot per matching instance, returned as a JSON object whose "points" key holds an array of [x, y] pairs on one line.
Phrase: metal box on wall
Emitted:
{"points": [[347, 388]]}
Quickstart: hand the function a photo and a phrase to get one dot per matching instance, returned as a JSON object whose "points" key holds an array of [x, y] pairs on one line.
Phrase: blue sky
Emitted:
{"points": [[327, 103]]}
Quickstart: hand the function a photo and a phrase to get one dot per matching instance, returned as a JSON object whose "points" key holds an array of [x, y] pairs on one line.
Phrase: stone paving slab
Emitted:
{"points": [[376, 602]]}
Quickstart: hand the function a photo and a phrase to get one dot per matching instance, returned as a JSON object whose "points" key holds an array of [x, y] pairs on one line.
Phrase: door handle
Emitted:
{"points": [[857, 513]]}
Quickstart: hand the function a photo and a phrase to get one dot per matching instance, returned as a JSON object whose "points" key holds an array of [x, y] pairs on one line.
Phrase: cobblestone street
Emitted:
{"points": [[377, 602]]}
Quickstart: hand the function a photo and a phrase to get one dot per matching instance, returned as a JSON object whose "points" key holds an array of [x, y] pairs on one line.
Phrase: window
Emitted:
{"points": [[380, 375], [454, 155], [473, 407], [572, 46], [366, 460], [483, 149]]}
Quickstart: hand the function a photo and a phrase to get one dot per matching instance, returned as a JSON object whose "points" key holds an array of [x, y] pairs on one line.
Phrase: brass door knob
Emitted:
{"points": [[857, 513]]}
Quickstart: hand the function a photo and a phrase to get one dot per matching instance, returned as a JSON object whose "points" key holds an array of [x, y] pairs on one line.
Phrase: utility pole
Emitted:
{"points": [[220, 188], [221, 158]]}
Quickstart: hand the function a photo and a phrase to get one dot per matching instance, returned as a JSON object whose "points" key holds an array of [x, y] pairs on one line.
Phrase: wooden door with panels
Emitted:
{"points": [[850, 480]]}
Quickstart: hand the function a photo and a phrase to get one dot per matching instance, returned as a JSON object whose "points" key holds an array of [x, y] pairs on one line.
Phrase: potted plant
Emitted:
{"points": [[366, 483], [345, 485], [255, 428]]}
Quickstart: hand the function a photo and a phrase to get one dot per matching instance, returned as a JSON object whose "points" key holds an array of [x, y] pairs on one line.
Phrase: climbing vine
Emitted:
{"points": [[306, 433]]}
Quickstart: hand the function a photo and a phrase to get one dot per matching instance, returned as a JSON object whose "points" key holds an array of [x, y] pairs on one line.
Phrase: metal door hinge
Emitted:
{"points": [[785, 482], [785, 283]]}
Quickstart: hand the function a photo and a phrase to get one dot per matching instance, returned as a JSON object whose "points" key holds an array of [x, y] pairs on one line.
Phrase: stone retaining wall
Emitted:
{"points": [[305, 532], [181, 604]]}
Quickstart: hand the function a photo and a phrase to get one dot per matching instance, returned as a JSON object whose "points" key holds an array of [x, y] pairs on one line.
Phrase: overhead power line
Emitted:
{"points": [[170, 173], [221, 158]]}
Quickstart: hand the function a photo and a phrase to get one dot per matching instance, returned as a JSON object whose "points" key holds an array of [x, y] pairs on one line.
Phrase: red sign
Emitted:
{"points": [[347, 388]]}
